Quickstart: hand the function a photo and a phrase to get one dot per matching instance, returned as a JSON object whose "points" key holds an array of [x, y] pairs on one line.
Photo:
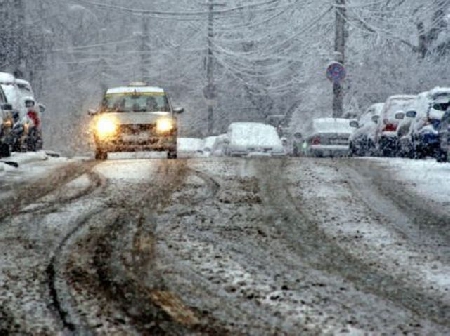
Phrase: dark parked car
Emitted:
{"points": [[444, 137], [362, 140], [430, 107]]}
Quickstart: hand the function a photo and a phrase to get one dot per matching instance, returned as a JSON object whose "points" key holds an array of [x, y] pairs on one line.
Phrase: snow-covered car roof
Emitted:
{"points": [[22, 81], [331, 125], [439, 89], [133, 89], [395, 104], [253, 134], [6, 77]]}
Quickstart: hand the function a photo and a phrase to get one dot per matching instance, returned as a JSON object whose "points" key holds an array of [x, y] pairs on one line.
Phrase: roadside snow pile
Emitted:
{"points": [[427, 178], [28, 157]]}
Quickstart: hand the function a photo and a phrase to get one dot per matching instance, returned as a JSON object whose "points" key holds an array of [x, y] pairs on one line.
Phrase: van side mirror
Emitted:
{"points": [[411, 114], [400, 115], [178, 110]]}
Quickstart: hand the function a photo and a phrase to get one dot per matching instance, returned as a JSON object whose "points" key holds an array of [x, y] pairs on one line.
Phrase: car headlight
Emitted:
{"points": [[164, 125], [106, 127]]}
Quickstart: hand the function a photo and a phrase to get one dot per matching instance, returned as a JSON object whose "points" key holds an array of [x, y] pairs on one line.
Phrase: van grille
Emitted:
{"points": [[137, 129]]}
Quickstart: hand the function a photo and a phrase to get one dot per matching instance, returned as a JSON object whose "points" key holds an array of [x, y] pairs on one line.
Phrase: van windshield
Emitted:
{"points": [[135, 102]]}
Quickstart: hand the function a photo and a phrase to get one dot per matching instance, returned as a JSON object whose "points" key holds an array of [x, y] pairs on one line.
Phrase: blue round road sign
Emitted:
{"points": [[336, 72]]}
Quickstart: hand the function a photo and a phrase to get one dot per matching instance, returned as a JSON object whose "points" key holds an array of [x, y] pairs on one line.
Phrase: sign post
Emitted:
{"points": [[336, 74]]}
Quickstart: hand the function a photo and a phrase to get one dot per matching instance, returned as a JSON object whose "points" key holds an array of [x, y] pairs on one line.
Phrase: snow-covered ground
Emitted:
{"points": [[426, 178], [263, 246]]}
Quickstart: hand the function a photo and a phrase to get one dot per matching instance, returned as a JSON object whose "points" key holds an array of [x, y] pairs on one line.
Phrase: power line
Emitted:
{"points": [[168, 14]]}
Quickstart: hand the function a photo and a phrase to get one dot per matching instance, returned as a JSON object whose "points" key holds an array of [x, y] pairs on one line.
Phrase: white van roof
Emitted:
{"points": [[132, 89]]}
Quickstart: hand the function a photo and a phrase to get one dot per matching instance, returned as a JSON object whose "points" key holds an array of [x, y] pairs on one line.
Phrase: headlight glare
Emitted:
{"points": [[106, 127], [164, 125]]}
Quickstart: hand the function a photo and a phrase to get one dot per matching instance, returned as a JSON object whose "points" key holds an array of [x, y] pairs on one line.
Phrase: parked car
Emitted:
{"points": [[251, 138], [328, 137], [362, 140], [6, 123], [386, 132], [404, 141], [429, 106], [444, 137], [25, 133]]}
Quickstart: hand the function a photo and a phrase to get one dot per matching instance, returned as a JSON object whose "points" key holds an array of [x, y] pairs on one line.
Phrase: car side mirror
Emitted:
{"points": [[354, 124], [7, 107], [92, 112], [178, 110], [411, 114], [42, 108], [400, 115]]}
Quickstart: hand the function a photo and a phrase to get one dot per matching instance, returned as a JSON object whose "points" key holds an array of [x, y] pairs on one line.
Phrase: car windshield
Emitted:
{"points": [[136, 102]]}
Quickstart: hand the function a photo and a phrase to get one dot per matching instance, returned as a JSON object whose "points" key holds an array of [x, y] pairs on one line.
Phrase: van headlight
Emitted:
{"points": [[164, 125], [106, 127]]}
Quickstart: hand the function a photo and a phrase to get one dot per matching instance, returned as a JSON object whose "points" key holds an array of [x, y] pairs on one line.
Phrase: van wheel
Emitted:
{"points": [[101, 155], [172, 155], [5, 150]]}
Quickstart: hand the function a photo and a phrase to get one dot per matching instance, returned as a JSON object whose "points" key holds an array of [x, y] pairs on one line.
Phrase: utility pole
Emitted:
{"points": [[210, 89], [145, 49], [339, 48], [103, 63], [18, 27]]}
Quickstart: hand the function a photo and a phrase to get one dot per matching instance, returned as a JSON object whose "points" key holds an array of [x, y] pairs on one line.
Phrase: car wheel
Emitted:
{"points": [[351, 150], [442, 156], [172, 155], [418, 153], [5, 150]]}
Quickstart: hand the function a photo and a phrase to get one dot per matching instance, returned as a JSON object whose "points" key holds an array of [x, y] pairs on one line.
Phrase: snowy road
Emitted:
{"points": [[225, 246]]}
